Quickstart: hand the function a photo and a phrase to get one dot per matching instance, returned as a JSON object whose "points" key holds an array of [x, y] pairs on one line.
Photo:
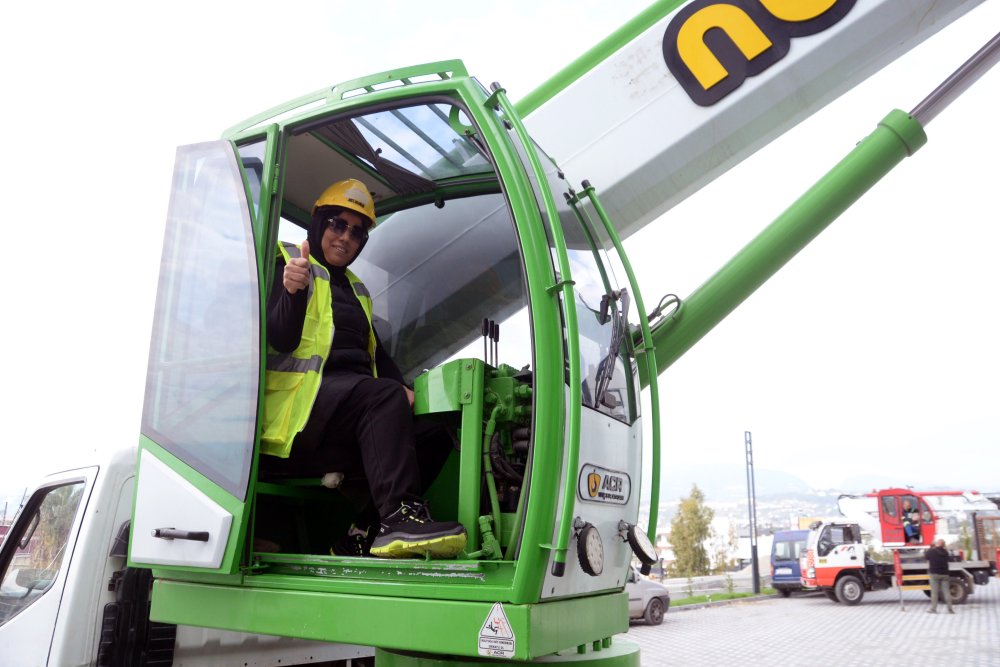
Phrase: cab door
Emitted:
{"points": [[36, 560], [891, 520], [928, 523], [200, 412]]}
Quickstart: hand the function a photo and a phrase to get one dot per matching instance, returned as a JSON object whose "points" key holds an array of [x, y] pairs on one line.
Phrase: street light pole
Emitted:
{"points": [[752, 505]]}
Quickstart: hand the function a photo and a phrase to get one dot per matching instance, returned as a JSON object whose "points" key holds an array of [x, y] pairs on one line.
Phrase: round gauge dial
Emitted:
{"points": [[641, 546], [590, 550]]}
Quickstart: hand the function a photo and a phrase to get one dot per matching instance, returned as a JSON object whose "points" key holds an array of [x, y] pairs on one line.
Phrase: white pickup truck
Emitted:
{"points": [[67, 596]]}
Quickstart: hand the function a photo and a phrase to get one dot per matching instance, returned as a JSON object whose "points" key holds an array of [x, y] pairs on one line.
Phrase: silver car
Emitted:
{"points": [[647, 599]]}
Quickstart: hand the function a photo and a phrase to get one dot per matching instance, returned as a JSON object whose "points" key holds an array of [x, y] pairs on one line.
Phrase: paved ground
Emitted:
{"points": [[809, 630]]}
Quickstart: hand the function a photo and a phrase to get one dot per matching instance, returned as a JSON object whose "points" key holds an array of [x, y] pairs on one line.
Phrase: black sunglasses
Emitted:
{"points": [[338, 225]]}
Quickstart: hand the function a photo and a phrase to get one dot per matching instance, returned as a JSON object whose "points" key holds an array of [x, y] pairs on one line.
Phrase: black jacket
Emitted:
{"points": [[937, 560]]}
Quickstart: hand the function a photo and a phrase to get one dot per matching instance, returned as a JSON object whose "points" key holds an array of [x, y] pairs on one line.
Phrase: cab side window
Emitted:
{"points": [[925, 513], [34, 550], [825, 542], [889, 506]]}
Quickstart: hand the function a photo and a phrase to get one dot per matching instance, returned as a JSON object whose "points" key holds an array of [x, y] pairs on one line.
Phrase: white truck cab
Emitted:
{"points": [[68, 598]]}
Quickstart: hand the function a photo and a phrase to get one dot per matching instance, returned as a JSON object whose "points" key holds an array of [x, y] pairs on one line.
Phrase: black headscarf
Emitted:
{"points": [[317, 226]]}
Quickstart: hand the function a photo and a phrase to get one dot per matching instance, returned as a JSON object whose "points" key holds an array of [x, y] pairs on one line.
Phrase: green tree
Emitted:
{"points": [[690, 527]]}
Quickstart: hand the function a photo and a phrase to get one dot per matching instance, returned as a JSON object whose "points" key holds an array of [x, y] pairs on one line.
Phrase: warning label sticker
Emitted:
{"points": [[496, 639]]}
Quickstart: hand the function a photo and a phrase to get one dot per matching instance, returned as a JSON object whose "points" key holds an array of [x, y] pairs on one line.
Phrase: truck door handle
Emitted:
{"points": [[174, 534]]}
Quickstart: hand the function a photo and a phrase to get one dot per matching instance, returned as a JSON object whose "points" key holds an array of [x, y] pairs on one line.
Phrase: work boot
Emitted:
{"points": [[356, 543], [410, 532]]}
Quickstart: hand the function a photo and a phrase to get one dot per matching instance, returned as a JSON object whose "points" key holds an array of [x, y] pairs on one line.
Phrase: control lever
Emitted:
{"points": [[491, 341], [495, 334], [486, 338]]}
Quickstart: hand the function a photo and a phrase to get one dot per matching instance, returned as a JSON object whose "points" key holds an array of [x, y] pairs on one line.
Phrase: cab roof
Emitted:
{"points": [[397, 131]]}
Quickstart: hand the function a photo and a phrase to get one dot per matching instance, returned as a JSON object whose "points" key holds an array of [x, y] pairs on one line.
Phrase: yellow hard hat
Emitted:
{"points": [[351, 194]]}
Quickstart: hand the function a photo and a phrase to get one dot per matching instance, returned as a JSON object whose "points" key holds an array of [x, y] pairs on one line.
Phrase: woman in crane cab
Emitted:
{"points": [[334, 399]]}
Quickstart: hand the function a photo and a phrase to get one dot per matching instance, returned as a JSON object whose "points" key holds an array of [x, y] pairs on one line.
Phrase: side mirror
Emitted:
{"points": [[34, 578]]}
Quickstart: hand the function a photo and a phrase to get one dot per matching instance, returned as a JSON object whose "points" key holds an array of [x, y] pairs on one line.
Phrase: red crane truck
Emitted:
{"points": [[904, 522]]}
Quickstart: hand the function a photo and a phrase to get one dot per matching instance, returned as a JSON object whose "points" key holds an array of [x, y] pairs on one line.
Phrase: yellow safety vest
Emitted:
{"points": [[291, 380]]}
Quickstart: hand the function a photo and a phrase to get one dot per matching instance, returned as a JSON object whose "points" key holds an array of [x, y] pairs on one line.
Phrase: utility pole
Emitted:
{"points": [[752, 505]]}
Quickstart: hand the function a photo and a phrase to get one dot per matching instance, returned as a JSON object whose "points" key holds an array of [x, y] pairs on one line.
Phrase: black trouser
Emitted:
{"points": [[372, 431]]}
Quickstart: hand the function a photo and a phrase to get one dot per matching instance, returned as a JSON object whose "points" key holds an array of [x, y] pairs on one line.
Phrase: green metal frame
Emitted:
{"points": [[608, 652], [564, 288], [437, 626], [457, 386], [565, 77], [363, 593], [518, 582], [309, 103], [549, 373], [644, 347]]}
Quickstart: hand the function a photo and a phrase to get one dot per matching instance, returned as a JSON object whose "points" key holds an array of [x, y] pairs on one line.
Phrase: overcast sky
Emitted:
{"points": [[874, 351]]}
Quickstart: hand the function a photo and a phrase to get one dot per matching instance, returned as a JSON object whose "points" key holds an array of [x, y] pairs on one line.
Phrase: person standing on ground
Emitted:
{"points": [[937, 570]]}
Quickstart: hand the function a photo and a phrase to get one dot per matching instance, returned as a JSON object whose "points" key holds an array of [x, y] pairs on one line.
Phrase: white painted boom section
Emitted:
{"points": [[629, 127]]}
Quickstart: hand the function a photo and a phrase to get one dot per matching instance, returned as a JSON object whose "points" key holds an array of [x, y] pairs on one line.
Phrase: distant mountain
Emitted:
{"points": [[866, 483], [727, 483], [782, 498]]}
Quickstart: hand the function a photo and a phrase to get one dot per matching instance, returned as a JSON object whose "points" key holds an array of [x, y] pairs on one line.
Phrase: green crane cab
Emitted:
{"points": [[503, 294], [475, 224]]}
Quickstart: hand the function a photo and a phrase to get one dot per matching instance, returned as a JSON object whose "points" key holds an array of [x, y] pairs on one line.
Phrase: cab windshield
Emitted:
{"points": [[435, 273], [444, 255]]}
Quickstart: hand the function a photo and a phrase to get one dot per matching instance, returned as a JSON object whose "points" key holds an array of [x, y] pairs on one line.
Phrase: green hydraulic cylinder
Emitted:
{"points": [[898, 136]]}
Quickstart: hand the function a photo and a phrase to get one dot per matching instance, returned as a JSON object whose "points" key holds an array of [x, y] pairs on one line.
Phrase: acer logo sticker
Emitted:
{"points": [[711, 47], [601, 485]]}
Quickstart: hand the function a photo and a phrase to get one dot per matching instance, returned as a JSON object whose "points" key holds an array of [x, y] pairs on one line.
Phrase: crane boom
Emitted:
{"points": [[687, 90], [897, 136]]}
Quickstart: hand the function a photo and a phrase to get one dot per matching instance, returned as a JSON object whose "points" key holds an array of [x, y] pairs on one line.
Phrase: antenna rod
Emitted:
{"points": [[958, 82]]}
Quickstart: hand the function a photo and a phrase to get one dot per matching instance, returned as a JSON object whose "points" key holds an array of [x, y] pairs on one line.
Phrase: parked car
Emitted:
{"points": [[786, 574], [647, 599]]}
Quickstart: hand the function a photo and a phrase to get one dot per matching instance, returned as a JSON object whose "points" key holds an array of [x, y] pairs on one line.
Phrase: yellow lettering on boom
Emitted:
{"points": [[712, 46], [736, 23], [795, 11]]}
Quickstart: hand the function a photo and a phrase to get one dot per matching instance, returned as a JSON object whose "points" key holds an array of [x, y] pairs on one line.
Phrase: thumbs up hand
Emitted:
{"points": [[296, 275]]}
